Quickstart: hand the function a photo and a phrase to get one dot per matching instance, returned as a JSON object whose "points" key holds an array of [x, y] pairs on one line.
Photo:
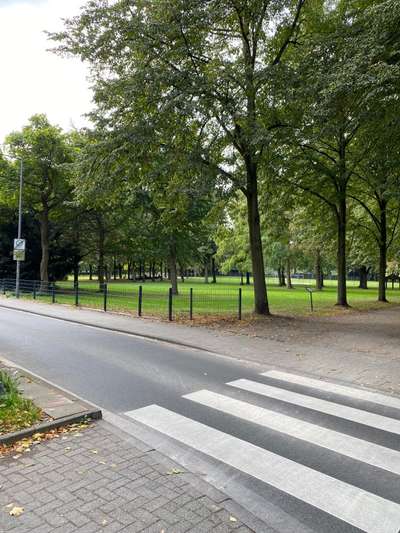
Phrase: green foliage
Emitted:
{"points": [[16, 412]]}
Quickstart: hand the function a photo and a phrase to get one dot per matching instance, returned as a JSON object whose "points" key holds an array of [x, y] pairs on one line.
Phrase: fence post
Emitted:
{"points": [[34, 290], [4, 286], [53, 293], [191, 304], [77, 293], [240, 305], [310, 291], [140, 300], [105, 297], [170, 304]]}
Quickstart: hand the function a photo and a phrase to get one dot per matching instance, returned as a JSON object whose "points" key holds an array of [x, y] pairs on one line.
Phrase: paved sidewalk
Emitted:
{"points": [[101, 480], [360, 348]]}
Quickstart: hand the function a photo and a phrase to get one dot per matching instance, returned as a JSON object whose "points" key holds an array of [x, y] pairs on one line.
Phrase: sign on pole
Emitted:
{"points": [[19, 244], [19, 255], [19, 249]]}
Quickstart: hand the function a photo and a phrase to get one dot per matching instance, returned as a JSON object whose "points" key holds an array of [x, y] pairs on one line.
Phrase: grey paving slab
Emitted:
{"points": [[105, 498]]}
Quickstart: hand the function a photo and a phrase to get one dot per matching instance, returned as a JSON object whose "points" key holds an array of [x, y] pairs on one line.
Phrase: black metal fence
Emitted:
{"points": [[140, 300]]}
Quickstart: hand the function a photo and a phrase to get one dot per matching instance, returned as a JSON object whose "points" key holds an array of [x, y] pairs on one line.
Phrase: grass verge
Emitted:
{"points": [[16, 412]]}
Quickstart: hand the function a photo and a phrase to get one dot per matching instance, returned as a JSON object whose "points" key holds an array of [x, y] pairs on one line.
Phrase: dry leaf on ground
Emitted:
{"points": [[16, 511]]}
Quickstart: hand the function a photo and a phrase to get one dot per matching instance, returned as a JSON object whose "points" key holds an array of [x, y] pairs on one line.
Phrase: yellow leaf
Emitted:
{"points": [[175, 471], [16, 511], [232, 519]]}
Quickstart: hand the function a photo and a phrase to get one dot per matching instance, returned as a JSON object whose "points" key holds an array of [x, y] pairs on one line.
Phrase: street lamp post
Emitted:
{"points": [[21, 184]]}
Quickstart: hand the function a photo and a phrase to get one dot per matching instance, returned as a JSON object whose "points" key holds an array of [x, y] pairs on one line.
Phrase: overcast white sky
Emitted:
{"points": [[32, 79]]}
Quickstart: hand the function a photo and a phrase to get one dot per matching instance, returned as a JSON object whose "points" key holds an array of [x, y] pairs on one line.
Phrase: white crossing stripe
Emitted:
{"points": [[342, 411], [358, 449], [359, 394], [355, 506]]}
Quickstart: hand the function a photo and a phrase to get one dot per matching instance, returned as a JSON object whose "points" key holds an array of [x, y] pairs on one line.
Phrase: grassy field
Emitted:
{"points": [[214, 299]]}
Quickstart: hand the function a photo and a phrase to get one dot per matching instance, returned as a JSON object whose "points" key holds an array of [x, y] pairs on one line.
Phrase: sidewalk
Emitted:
{"points": [[360, 348], [101, 480]]}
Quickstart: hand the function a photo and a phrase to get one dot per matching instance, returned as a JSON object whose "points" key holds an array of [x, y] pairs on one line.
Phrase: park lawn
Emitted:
{"points": [[215, 299], [16, 412]]}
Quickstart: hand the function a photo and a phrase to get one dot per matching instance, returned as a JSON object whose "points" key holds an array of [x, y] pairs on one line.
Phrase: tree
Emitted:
{"points": [[46, 155], [217, 62]]}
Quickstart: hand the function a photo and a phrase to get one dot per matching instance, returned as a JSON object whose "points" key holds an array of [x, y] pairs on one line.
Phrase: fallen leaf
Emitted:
{"points": [[94, 451], [175, 471], [104, 522], [232, 519], [16, 456], [16, 511]]}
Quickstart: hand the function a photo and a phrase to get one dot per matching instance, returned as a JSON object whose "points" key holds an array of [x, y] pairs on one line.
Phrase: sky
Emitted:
{"points": [[34, 80]]}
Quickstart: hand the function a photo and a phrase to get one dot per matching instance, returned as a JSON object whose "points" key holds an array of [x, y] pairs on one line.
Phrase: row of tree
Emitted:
{"points": [[268, 128]]}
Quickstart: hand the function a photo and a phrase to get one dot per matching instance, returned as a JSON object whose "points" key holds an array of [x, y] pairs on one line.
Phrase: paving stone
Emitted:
{"points": [[74, 492]]}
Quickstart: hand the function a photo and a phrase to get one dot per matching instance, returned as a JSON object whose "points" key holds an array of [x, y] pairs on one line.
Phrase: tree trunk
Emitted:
{"points": [[214, 275], [318, 271], [44, 241], [206, 272], [281, 276], [115, 269], [363, 272], [382, 254], [76, 273], [101, 266], [341, 254], [247, 278], [90, 272], [288, 274], [173, 274], [241, 278]]}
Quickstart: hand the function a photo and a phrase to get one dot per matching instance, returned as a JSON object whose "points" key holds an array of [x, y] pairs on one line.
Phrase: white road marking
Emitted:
{"points": [[355, 506], [342, 411], [358, 449], [359, 394]]}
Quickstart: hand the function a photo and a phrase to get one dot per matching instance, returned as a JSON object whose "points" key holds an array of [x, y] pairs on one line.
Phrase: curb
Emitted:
{"points": [[115, 330], [10, 438]]}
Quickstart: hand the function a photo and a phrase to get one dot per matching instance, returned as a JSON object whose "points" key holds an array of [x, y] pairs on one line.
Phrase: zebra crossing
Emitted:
{"points": [[344, 427]]}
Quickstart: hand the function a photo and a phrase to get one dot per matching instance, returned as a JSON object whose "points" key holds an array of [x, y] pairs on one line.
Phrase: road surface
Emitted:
{"points": [[303, 455]]}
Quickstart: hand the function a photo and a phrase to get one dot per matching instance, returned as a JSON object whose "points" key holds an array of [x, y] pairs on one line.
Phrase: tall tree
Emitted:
{"points": [[46, 154], [216, 61]]}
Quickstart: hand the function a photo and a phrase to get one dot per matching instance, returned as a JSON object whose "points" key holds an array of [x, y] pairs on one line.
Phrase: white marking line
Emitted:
{"points": [[368, 396], [342, 411], [358, 449], [355, 506]]}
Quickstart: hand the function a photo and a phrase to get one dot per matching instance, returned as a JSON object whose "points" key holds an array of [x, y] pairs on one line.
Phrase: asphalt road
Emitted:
{"points": [[302, 456]]}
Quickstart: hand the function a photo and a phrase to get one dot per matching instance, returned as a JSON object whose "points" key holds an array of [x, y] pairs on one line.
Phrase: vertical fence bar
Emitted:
{"points": [[105, 297], [311, 302], [34, 290], [191, 304], [4, 286], [140, 300], [170, 304], [240, 305], [53, 293], [77, 293]]}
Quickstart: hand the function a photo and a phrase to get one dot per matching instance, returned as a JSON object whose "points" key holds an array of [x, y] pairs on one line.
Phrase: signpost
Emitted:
{"points": [[19, 244]]}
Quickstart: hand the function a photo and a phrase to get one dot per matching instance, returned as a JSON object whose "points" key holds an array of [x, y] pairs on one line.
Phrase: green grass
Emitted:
{"points": [[220, 299], [16, 412]]}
